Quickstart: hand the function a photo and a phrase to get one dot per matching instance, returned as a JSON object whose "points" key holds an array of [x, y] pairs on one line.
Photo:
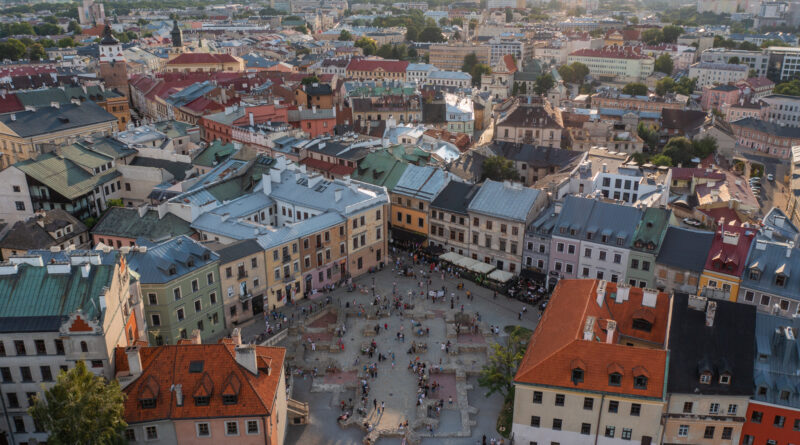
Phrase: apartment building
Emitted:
{"points": [[595, 368], [535, 123], [709, 74], [755, 60], [767, 280], [411, 198], [45, 230], [376, 69], [450, 57], [681, 260], [621, 62], [763, 136], [711, 370], [58, 308], [449, 218], [243, 281], [726, 261], [180, 286], [646, 244], [781, 110], [784, 62], [616, 100], [204, 62], [538, 237], [500, 212]]}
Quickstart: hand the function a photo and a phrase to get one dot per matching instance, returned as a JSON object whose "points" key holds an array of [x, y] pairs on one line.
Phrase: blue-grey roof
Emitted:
{"points": [[421, 67], [190, 93], [777, 359], [50, 120], [238, 250], [224, 170], [353, 197], [544, 224], [504, 200], [449, 75], [184, 253], [771, 258], [299, 229], [685, 249], [421, 182], [585, 215], [779, 227]]}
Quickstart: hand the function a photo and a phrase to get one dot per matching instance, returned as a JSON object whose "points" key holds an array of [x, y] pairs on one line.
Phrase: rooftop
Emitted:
{"points": [[504, 200], [126, 222]]}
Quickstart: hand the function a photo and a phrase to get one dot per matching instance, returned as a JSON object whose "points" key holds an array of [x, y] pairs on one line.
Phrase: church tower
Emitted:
{"points": [[177, 39], [113, 70]]}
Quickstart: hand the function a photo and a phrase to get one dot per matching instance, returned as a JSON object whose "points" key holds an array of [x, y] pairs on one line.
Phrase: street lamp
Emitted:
{"points": [[373, 287]]}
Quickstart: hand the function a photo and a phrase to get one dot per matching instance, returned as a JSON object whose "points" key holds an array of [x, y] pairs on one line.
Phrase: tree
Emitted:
{"points": [[734, 60], [497, 376], [478, 71], [81, 408], [543, 84], [575, 72], [686, 86], [498, 168], [308, 80], [566, 72], [67, 42], [431, 34], [36, 52], [47, 43], [670, 33], [47, 29], [790, 88], [635, 89], [661, 159], [664, 86], [664, 64], [345, 36], [648, 134], [509, 15], [302, 29], [470, 60], [680, 150], [412, 34], [704, 146], [74, 27], [444, 21], [652, 36], [385, 51], [367, 45], [12, 49]]}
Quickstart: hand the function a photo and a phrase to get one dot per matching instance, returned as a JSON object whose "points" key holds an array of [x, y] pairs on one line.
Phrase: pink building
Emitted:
{"points": [[719, 95]]}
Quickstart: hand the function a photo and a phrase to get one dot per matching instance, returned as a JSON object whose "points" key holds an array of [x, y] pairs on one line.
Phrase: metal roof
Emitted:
{"points": [[504, 200]]}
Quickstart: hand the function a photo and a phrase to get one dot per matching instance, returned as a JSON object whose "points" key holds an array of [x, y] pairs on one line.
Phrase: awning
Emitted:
{"points": [[500, 276], [480, 267], [404, 235], [533, 275], [450, 257]]}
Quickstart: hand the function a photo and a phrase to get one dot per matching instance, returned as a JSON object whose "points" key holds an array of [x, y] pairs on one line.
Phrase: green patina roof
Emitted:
{"points": [[173, 129], [652, 228], [63, 175], [83, 156], [43, 98], [380, 168], [216, 152], [108, 146], [126, 222]]}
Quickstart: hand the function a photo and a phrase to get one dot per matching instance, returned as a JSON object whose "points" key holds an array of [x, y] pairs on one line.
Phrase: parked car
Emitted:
{"points": [[770, 177], [692, 222]]}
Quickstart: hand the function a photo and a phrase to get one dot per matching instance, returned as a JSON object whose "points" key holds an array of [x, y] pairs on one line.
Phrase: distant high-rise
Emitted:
{"points": [[90, 13]]}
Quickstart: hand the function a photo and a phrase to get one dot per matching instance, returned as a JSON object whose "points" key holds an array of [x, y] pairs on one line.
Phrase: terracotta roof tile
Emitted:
{"points": [[392, 66], [201, 58]]}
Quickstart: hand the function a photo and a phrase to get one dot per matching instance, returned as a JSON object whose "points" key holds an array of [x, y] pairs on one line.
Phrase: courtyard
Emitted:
{"points": [[393, 365]]}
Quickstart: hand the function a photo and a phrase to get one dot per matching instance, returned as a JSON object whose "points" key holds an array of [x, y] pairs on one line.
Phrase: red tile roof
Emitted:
{"points": [[511, 65], [730, 257], [336, 169], [391, 66], [558, 340], [203, 105], [611, 52], [201, 58], [26, 70], [164, 366], [686, 173], [10, 103]]}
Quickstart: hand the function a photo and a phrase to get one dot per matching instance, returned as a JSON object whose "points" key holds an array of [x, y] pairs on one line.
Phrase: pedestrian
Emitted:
{"points": [[519, 315], [483, 442], [450, 400], [383, 404]]}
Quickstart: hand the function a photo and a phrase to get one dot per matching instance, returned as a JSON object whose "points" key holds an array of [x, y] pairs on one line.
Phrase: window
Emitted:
{"points": [[640, 382], [210, 278], [705, 378], [615, 379], [713, 408], [587, 253], [709, 432], [231, 428], [602, 256], [588, 403], [683, 431], [636, 409], [725, 379], [779, 421], [195, 285], [180, 314], [203, 430], [557, 424], [756, 416], [151, 433], [613, 406], [19, 345], [212, 297], [13, 400], [796, 424], [19, 424], [177, 293], [40, 348], [727, 433], [610, 431], [152, 299], [5, 373], [59, 346], [130, 435], [627, 433], [535, 421], [252, 425], [559, 399], [577, 375], [47, 374], [20, 205], [586, 429], [202, 400], [732, 409], [26, 373], [537, 397]]}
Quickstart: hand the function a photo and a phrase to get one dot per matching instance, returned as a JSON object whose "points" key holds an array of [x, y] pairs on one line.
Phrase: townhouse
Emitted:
{"points": [[535, 123], [123, 226], [681, 259], [179, 280], [375, 69], [767, 280], [411, 198], [419, 72], [726, 261], [243, 280], [58, 308], [449, 219], [500, 212], [595, 368], [773, 414], [538, 237], [764, 136], [208, 395], [645, 246], [781, 109], [710, 377], [46, 229], [452, 79]]}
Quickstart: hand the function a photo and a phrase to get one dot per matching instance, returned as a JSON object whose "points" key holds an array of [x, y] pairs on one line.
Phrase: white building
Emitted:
{"points": [[615, 61], [456, 79], [781, 109], [756, 60], [418, 72], [501, 46], [708, 74], [459, 114]]}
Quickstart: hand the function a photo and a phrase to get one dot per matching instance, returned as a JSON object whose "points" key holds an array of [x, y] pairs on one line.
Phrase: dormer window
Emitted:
{"points": [[642, 325], [147, 403], [173, 270], [589, 235], [604, 238], [577, 375], [190, 262], [755, 274], [705, 378], [640, 382], [202, 400], [573, 232], [762, 390], [725, 379], [651, 246], [785, 396], [620, 241], [230, 399], [780, 280], [615, 379], [206, 256], [638, 244]]}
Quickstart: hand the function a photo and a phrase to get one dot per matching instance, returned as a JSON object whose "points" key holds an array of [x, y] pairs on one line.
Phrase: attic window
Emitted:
{"points": [[705, 378], [615, 379], [589, 235], [206, 256], [577, 375], [725, 379], [755, 274], [173, 270], [642, 325], [147, 403], [202, 400], [640, 382], [780, 280], [196, 366], [230, 399], [620, 241], [190, 262], [762, 390]]}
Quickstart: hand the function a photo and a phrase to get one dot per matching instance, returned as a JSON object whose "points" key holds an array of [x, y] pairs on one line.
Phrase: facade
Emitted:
{"points": [[718, 96], [645, 246], [503, 46], [615, 62], [456, 79], [763, 136], [781, 110], [755, 60], [681, 260], [210, 397], [203, 62], [538, 234], [450, 226], [773, 414], [58, 308], [500, 212], [535, 124], [411, 198], [784, 63], [609, 99], [243, 280], [419, 72], [726, 261], [709, 74], [450, 57], [711, 370], [376, 69], [180, 287], [113, 68], [123, 226], [594, 371], [767, 281]]}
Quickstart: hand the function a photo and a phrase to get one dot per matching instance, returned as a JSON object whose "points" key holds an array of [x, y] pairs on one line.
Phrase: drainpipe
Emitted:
{"points": [[599, 416]]}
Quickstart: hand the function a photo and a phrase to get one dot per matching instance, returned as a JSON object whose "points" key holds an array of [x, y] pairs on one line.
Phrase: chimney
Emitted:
{"points": [[134, 360], [601, 292], [236, 335], [588, 328], [178, 394], [711, 310], [649, 297], [623, 290], [789, 249], [85, 268], [337, 195], [246, 357], [611, 327], [252, 120], [196, 340], [55, 104], [313, 109]]}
